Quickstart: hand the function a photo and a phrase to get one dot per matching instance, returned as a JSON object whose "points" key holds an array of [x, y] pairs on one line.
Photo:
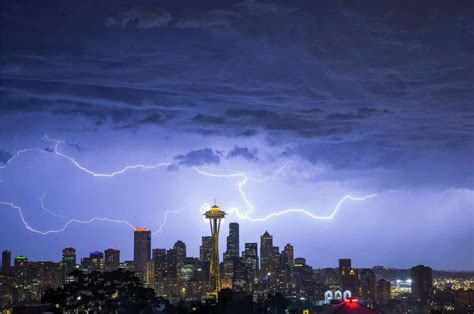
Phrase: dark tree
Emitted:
{"points": [[117, 291]]}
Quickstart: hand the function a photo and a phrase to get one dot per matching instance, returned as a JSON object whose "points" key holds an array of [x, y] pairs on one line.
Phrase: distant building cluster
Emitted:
{"points": [[258, 270]]}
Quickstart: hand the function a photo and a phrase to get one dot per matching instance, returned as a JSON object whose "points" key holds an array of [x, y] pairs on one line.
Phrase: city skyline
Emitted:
{"points": [[344, 128], [144, 250], [176, 278]]}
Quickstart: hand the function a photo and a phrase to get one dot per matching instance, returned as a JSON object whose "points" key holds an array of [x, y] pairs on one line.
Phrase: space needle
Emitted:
{"points": [[215, 215]]}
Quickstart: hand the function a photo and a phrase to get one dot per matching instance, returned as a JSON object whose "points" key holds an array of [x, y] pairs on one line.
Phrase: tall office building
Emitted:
{"points": [[250, 257], [205, 250], [150, 274], [21, 262], [233, 244], [141, 251], [68, 264], [180, 250], [367, 284], [276, 258], [6, 262], [96, 261], [112, 259], [348, 276], [266, 254], [422, 283], [288, 255], [21, 281], [159, 257], [344, 265]]}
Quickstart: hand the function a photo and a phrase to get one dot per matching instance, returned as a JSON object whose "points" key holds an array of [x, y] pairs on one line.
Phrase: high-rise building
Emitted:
{"points": [[276, 258], [422, 283], [215, 215], [21, 262], [250, 256], [330, 278], [344, 266], [86, 264], [288, 255], [233, 244], [367, 284], [159, 257], [180, 250], [112, 259], [160, 264], [266, 254], [22, 286], [141, 251], [68, 264], [205, 250], [348, 276], [150, 274], [96, 261], [6, 262]]}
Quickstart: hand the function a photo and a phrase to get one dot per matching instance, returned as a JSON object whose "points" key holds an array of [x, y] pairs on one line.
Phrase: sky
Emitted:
{"points": [[345, 128]]}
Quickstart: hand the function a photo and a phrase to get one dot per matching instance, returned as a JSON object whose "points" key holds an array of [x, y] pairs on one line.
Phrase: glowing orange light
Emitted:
{"points": [[141, 229]]}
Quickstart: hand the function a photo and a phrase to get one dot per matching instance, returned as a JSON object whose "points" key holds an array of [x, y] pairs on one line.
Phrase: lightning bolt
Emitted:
{"points": [[245, 215], [70, 221], [163, 224], [57, 152], [244, 178], [73, 220], [240, 185]]}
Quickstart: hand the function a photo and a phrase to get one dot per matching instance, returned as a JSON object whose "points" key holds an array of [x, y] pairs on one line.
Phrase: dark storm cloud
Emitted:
{"points": [[199, 157], [140, 18], [344, 116], [291, 124], [364, 86], [367, 110], [243, 152], [199, 118], [312, 110]]}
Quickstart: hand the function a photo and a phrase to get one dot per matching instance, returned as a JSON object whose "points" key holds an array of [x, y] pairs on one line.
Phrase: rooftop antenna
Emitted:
{"points": [[215, 204]]}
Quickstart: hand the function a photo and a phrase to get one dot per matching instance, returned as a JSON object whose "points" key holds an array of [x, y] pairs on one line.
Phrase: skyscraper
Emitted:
{"points": [[112, 259], [159, 257], [266, 253], [233, 246], [142, 251], [21, 281], [6, 262], [205, 250], [250, 256], [348, 276], [422, 283], [367, 283], [96, 261], [288, 255], [180, 250], [68, 264]]}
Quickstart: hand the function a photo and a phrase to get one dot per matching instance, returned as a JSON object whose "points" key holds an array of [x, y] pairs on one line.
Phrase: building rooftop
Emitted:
{"points": [[142, 229]]}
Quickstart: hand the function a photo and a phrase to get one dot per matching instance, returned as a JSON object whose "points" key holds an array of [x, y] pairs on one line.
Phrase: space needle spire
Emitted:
{"points": [[215, 215]]}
